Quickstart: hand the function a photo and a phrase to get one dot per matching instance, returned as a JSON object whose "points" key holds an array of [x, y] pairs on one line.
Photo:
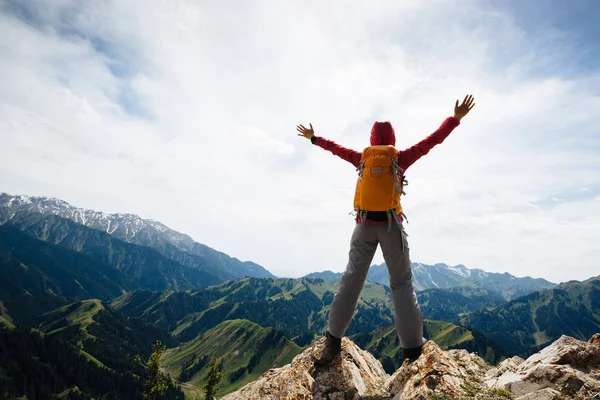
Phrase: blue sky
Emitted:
{"points": [[185, 112]]}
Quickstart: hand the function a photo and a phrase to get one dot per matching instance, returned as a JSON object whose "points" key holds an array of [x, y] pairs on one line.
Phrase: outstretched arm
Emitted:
{"points": [[409, 156], [352, 156]]}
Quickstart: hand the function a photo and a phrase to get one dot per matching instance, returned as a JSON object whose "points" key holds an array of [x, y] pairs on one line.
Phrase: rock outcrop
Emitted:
{"points": [[355, 374], [566, 369], [437, 371]]}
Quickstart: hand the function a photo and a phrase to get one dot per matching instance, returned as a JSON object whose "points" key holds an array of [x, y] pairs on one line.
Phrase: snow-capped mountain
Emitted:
{"points": [[133, 229], [443, 276]]}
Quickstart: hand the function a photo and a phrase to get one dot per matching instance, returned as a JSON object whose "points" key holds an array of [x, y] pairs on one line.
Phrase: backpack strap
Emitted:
{"points": [[396, 169], [389, 215], [360, 168]]}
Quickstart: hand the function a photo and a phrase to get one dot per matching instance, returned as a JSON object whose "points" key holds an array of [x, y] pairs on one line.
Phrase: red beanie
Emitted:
{"points": [[382, 133]]}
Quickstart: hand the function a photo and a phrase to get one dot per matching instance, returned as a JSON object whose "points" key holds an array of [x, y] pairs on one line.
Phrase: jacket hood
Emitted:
{"points": [[382, 133]]}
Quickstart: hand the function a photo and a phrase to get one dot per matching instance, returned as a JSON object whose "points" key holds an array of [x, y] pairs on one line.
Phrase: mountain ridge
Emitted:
{"points": [[444, 276], [525, 324], [257, 349], [142, 264], [294, 306], [33, 268], [134, 229]]}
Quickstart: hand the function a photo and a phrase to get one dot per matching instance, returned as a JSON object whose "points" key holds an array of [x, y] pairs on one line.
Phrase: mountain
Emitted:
{"points": [[5, 319], [442, 276], [448, 304], [297, 307], [105, 336], [244, 350], [143, 265], [32, 268], [384, 344], [524, 325], [25, 310], [443, 304], [565, 369], [100, 343], [325, 275], [133, 229], [38, 366]]}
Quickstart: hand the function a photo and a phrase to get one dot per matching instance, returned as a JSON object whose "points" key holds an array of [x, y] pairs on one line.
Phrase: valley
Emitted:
{"points": [[102, 289]]}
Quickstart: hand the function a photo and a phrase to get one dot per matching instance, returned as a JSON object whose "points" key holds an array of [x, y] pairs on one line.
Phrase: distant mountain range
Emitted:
{"points": [[297, 307], [450, 304], [167, 259], [525, 325], [32, 268], [443, 276], [88, 291], [133, 229]]}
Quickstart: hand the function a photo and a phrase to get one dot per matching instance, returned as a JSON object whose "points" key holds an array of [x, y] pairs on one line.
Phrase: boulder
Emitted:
{"points": [[451, 373], [566, 369], [355, 374], [567, 366]]}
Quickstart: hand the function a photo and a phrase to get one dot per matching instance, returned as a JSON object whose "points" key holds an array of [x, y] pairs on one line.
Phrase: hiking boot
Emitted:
{"points": [[331, 349], [413, 353]]}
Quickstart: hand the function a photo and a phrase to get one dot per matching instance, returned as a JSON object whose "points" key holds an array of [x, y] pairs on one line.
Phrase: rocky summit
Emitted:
{"points": [[566, 369]]}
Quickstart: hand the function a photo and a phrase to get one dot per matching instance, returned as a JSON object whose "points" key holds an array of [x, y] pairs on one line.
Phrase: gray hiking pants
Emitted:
{"points": [[394, 245]]}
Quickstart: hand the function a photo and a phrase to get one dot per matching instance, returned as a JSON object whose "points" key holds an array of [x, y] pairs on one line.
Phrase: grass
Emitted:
{"points": [[72, 392], [4, 317], [79, 314], [501, 392], [471, 389], [92, 358], [235, 342], [438, 396], [444, 334]]}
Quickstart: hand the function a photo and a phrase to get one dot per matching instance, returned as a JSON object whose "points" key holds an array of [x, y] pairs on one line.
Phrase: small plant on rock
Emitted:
{"points": [[501, 392]]}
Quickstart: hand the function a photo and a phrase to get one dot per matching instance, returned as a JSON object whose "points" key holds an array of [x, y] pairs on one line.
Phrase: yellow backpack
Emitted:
{"points": [[380, 181]]}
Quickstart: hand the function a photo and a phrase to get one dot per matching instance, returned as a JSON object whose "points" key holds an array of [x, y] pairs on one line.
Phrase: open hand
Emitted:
{"points": [[307, 133], [464, 108]]}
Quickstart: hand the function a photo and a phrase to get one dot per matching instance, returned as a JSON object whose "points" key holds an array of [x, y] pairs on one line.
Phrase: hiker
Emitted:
{"points": [[379, 221]]}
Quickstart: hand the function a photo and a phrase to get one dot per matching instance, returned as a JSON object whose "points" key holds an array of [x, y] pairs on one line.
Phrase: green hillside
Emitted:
{"points": [[5, 319], [103, 335], [26, 310], [244, 349], [26, 211], [144, 265], [384, 344], [32, 268], [524, 325], [297, 307], [38, 366], [443, 276], [447, 304]]}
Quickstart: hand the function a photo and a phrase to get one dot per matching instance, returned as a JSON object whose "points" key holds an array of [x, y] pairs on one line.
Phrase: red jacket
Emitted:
{"points": [[383, 133]]}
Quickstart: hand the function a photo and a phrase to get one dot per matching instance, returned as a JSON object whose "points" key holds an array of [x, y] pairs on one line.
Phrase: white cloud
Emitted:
{"points": [[185, 112]]}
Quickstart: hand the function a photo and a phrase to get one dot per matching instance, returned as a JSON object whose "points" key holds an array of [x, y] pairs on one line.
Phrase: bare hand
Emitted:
{"points": [[307, 133], [464, 108]]}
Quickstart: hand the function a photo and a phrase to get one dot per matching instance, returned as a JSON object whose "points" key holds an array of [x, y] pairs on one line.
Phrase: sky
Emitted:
{"points": [[185, 112]]}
